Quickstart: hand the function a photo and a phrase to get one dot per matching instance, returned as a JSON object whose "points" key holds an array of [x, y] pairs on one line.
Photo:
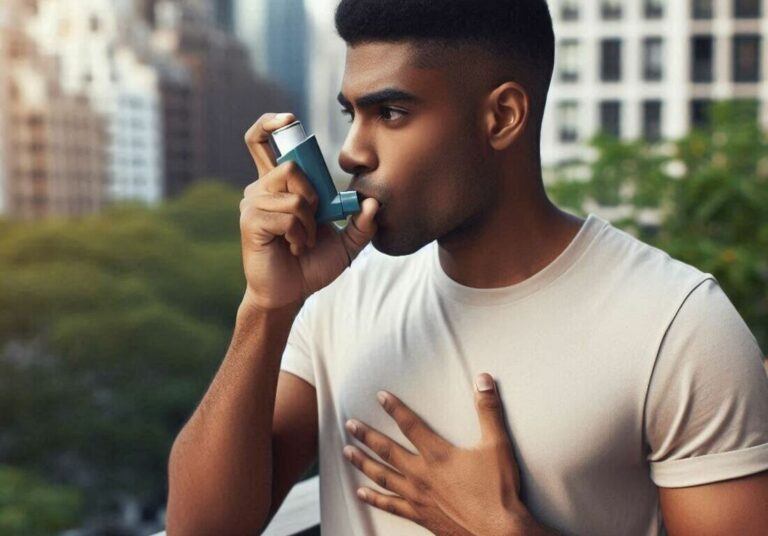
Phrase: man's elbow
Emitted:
{"points": [[195, 507]]}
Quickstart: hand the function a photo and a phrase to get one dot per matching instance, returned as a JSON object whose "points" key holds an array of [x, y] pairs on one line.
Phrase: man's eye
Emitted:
{"points": [[385, 113], [344, 111]]}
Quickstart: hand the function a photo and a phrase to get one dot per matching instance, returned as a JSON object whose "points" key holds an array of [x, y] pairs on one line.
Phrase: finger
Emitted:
{"points": [[292, 179], [288, 203], [389, 503], [388, 450], [426, 441], [257, 139], [383, 475], [272, 225], [489, 409], [361, 228]]}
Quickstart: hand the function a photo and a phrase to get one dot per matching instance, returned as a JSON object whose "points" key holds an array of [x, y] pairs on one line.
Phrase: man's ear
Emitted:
{"points": [[507, 112]]}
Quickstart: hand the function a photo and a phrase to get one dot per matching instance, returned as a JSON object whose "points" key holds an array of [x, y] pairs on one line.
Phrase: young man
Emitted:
{"points": [[539, 372]]}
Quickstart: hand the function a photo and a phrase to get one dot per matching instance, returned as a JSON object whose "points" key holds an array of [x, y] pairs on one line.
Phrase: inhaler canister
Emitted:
{"points": [[293, 144]]}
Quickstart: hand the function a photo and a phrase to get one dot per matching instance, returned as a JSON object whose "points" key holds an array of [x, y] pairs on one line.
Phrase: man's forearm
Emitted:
{"points": [[220, 467]]}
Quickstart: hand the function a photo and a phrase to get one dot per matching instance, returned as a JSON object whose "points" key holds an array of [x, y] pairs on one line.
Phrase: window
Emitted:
{"points": [[746, 9], [652, 120], [700, 113], [702, 55], [610, 118], [746, 58], [702, 9], [568, 62], [610, 60], [611, 9], [652, 58], [653, 9], [569, 9], [568, 121]]}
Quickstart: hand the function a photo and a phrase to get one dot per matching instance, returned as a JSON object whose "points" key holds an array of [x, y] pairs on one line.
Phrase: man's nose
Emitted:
{"points": [[357, 155]]}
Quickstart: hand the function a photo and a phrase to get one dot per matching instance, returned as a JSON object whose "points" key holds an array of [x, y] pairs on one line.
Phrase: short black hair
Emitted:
{"points": [[517, 33]]}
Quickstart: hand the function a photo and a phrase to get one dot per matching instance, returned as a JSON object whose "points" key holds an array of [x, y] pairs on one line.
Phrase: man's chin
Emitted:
{"points": [[389, 243]]}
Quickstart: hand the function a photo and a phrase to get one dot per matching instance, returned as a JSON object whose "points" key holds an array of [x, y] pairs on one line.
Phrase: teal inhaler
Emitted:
{"points": [[293, 144]]}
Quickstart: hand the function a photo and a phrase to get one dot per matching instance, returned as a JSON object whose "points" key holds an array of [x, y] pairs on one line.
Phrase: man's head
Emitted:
{"points": [[467, 85]]}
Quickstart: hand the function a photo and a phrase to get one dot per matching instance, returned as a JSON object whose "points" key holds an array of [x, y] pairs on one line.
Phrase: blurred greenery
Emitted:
{"points": [[30, 506], [112, 325], [703, 199]]}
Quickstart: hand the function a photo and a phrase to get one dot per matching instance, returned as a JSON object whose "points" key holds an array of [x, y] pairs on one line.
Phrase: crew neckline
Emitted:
{"points": [[586, 235]]}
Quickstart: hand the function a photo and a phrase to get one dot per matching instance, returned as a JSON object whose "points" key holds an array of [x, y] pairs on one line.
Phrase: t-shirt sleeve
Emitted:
{"points": [[297, 357], [706, 415]]}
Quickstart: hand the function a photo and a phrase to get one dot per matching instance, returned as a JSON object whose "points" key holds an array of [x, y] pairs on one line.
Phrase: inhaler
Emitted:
{"points": [[293, 144]]}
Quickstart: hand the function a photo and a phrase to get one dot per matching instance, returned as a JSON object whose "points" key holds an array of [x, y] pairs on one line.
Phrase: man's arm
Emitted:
{"points": [[736, 506], [220, 470], [294, 436]]}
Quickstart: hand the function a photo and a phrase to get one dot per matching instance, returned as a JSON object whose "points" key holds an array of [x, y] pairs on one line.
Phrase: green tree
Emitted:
{"points": [[111, 327]]}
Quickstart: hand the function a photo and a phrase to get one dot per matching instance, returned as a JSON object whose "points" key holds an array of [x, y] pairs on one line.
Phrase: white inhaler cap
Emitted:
{"points": [[288, 137]]}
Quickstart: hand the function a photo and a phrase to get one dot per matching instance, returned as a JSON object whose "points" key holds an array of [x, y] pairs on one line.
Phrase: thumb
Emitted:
{"points": [[361, 228], [489, 409]]}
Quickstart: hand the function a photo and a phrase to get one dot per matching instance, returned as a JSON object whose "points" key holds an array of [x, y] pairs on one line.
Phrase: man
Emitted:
{"points": [[538, 372]]}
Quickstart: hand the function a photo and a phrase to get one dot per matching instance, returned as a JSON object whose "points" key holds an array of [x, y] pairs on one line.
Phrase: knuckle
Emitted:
{"points": [[297, 203], [385, 452], [408, 423], [489, 402], [293, 223]]}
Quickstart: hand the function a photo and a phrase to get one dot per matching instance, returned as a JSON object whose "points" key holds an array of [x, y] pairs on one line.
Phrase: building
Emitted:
{"points": [[51, 143], [226, 94], [276, 33], [101, 46], [649, 68]]}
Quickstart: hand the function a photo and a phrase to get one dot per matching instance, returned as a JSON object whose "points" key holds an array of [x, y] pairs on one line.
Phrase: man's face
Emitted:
{"points": [[420, 152]]}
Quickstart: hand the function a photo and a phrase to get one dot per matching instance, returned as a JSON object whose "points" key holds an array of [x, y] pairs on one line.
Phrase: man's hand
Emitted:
{"points": [[446, 489]]}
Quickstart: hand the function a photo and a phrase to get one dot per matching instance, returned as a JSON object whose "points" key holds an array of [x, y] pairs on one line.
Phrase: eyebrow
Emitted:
{"points": [[379, 97]]}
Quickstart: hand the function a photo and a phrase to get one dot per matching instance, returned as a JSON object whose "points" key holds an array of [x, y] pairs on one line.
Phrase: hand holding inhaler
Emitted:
{"points": [[290, 247]]}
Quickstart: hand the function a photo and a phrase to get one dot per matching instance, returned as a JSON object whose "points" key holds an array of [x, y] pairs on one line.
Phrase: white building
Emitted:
{"points": [[648, 68], [99, 45]]}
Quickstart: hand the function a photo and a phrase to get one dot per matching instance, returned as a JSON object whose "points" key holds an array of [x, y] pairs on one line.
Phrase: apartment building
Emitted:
{"points": [[101, 47], [648, 69], [51, 143]]}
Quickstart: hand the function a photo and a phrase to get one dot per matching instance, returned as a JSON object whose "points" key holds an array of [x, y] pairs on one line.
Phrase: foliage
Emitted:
{"points": [[111, 326], [32, 507]]}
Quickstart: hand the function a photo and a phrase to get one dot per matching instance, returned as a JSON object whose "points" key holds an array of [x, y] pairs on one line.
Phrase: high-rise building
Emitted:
{"points": [[276, 33], [51, 142], [101, 46], [227, 96], [649, 68]]}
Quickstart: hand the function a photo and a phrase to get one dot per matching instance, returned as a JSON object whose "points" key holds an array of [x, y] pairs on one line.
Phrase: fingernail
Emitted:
{"points": [[352, 426], [283, 117], [382, 396], [484, 382], [347, 451], [361, 493]]}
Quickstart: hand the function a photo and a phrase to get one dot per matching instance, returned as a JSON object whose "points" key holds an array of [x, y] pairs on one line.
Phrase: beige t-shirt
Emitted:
{"points": [[620, 368]]}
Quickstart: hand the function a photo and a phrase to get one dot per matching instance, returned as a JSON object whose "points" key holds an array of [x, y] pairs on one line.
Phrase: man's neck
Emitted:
{"points": [[514, 242]]}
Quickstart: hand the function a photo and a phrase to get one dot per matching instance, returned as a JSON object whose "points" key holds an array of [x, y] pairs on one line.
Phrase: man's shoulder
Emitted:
{"points": [[627, 261]]}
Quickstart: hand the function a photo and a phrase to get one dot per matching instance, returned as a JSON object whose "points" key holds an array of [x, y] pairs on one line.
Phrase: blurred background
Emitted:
{"points": [[122, 164]]}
